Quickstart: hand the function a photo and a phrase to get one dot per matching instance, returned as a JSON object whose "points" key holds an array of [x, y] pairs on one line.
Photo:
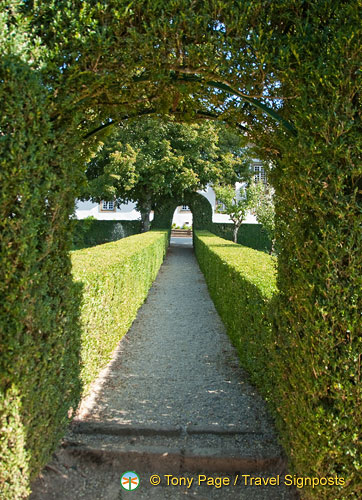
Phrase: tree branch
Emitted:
{"points": [[226, 88]]}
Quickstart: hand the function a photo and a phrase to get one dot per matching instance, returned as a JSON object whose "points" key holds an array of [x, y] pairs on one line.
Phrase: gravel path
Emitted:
{"points": [[176, 364], [175, 383]]}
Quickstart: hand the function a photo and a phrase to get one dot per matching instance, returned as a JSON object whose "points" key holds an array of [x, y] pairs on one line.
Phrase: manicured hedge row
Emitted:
{"points": [[241, 282], [319, 434], [116, 278], [91, 232], [250, 235], [39, 330]]}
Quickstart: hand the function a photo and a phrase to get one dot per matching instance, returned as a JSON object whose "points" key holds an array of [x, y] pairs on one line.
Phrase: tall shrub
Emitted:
{"points": [[318, 183], [242, 282], [39, 339], [317, 413]]}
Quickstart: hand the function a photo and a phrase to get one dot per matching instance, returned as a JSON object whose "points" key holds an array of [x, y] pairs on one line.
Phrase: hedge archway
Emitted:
{"points": [[199, 205]]}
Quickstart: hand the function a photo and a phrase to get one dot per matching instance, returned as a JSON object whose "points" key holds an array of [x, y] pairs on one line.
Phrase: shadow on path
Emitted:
{"points": [[173, 400]]}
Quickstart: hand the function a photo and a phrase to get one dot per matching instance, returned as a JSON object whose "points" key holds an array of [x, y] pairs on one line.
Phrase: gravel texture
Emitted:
{"points": [[176, 364], [174, 383]]}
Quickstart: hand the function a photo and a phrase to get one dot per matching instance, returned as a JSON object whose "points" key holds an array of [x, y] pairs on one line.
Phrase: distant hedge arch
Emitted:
{"points": [[199, 205]]}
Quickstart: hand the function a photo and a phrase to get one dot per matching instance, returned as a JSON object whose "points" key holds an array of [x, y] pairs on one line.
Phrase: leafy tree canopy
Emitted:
{"points": [[237, 203], [150, 159], [264, 209], [120, 58]]}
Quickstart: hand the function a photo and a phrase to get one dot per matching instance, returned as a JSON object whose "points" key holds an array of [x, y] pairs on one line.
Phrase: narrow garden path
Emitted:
{"points": [[172, 401]]}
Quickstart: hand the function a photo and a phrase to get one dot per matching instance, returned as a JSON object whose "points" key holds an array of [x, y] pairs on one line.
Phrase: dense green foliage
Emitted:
{"points": [[90, 232], [263, 207], [116, 278], [148, 160], [241, 282], [198, 204], [318, 186], [249, 235], [321, 441], [237, 204], [39, 340]]}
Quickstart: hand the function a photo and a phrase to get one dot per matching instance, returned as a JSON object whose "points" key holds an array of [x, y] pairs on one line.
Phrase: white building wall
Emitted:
{"points": [[128, 211], [182, 217]]}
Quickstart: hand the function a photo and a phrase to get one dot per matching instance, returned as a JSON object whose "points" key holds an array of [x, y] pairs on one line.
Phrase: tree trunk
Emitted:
{"points": [[236, 230], [145, 210], [145, 221]]}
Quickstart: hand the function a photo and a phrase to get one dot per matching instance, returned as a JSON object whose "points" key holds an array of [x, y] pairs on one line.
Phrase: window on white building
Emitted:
{"points": [[220, 207], [108, 206], [259, 174]]}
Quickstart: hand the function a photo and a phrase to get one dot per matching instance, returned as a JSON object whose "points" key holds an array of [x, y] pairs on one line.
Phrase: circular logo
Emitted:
{"points": [[130, 481]]}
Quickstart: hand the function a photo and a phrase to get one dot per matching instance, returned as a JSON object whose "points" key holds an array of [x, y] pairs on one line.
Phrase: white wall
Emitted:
{"points": [[128, 211], [181, 217]]}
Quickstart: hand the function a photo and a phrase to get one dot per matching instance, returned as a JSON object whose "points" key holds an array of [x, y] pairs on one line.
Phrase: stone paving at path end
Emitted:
{"points": [[173, 400]]}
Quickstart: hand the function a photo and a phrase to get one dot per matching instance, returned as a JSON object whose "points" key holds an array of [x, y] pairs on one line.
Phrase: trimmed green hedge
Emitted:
{"points": [[249, 235], [90, 232], [199, 206], [39, 330], [241, 283], [116, 278], [319, 435]]}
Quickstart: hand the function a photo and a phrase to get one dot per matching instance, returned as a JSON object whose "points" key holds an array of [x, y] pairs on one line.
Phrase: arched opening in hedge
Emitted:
{"points": [[199, 205]]}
